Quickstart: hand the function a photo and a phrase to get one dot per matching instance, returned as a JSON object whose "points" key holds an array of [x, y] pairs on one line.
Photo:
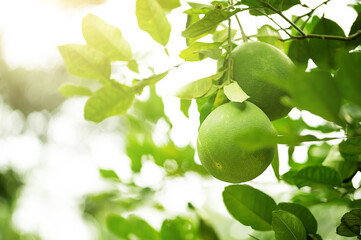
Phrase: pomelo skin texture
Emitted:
{"points": [[219, 137], [253, 63]]}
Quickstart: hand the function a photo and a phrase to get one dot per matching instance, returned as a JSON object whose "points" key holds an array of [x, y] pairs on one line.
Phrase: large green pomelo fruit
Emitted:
{"points": [[253, 64], [219, 138]]}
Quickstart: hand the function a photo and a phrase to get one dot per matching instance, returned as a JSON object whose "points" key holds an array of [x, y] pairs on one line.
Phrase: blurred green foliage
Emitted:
{"points": [[10, 189]]}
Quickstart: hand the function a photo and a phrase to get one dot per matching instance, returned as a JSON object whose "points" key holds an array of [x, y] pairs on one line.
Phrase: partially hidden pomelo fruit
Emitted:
{"points": [[253, 64], [219, 138]]}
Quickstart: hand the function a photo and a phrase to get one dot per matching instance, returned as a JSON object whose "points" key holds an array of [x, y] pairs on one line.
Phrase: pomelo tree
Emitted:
{"points": [[295, 60]]}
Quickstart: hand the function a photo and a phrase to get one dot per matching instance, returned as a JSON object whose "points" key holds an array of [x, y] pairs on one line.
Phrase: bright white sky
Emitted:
{"points": [[31, 30]]}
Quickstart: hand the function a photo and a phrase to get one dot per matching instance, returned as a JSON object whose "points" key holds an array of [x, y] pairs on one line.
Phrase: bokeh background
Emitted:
{"points": [[51, 185]]}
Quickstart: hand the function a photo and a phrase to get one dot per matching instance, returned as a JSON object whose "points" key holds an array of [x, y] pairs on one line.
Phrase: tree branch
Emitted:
{"points": [[244, 36], [310, 12], [283, 16], [229, 49], [324, 37], [281, 28]]}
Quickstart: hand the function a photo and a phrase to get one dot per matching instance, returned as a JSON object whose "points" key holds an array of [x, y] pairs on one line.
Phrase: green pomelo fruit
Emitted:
{"points": [[219, 138], [254, 65]]}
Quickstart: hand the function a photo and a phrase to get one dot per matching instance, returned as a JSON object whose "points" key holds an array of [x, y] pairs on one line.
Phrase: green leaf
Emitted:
{"points": [[276, 165], [204, 106], [317, 153], [70, 90], [306, 217], [184, 106], [133, 225], [86, 62], [317, 175], [348, 77], [111, 100], [351, 113], [311, 24], [206, 231], [222, 35], [152, 19], [235, 93], [118, 226], [192, 18], [311, 91], [178, 229], [197, 11], [356, 6], [280, 5], [133, 66], [199, 5], [350, 149], [169, 5], [212, 53], [105, 38], [142, 229], [249, 206], [347, 231], [299, 52], [289, 177], [140, 84], [152, 109], [208, 22], [220, 99], [312, 236], [253, 141], [356, 26], [109, 174], [324, 52], [270, 35], [347, 169], [195, 89], [350, 224], [135, 150], [289, 126], [197, 51], [287, 226]]}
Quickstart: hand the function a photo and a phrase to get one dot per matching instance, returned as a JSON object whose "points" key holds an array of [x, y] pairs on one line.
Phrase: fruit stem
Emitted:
{"points": [[244, 36], [229, 51]]}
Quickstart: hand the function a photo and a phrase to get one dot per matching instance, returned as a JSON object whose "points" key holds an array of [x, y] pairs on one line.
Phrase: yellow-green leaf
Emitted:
{"points": [[106, 38], [111, 100], [195, 89], [235, 93], [169, 5], [70, 90], [197, 51], [270, 35], [152, 19], [133, 65], [86, 62], [207, 23]]}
